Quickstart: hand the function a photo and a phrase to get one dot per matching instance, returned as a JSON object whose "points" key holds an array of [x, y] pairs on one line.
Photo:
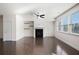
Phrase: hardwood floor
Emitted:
{"points": [[31, 46]]}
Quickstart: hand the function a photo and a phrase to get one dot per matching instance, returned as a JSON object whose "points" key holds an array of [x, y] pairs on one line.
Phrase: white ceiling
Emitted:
{"points": [[51, 9]]}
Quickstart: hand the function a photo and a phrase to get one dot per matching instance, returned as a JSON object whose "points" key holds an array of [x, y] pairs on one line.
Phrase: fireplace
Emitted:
{"points": [[39, 33]]}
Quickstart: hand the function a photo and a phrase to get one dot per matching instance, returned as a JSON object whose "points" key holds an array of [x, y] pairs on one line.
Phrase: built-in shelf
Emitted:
{"points": [[26, 28], [28, 25]]}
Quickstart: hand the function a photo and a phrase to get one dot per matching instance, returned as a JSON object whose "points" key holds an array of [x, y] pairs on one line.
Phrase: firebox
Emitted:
{"points": [[39, 33]]}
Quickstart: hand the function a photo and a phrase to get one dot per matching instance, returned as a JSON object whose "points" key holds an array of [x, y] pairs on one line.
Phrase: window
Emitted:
{"points": [[59, 26], [75, 22], [69, 24], [65, 24]]}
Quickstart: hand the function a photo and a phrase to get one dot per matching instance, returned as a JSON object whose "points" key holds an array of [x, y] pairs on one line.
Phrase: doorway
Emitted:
{"points": [[1, 28]]}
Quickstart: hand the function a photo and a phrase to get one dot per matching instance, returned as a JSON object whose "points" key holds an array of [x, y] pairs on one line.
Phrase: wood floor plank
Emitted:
{"points": [[39, 46]]}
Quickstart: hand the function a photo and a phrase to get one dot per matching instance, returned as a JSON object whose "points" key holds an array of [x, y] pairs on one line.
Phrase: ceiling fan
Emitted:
{"points": [[41, 16]]}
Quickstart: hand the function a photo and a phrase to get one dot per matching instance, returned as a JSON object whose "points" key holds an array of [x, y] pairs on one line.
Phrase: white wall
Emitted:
{"points": [[9, 31], [70, 39], [19, 27], [1, 26], [49, 29], [20, 32], [13, 27]]}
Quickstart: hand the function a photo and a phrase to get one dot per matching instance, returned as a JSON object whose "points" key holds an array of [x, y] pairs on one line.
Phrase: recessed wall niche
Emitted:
{"points": [[28, 25]]}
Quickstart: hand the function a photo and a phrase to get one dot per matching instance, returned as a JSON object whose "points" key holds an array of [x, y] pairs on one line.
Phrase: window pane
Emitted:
{"points": [[75, 22], [65, 27], [59, 26], [75, 28], [65, 24], [75, 18], [65, 21]]}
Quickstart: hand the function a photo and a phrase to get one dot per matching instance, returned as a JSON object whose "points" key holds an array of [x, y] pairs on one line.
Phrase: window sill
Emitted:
{"points": [[69, 33]]}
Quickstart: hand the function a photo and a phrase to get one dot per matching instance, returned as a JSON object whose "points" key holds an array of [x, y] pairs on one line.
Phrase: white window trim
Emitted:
{"points": [[69, 33]]}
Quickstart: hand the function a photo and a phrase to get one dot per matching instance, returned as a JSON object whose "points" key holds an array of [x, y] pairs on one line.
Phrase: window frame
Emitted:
{"points": [[71, 20], [69, 25], [63, 24]]}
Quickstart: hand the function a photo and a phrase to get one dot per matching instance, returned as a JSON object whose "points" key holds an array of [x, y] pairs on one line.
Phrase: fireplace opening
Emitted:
{"points": [[39, 33]]}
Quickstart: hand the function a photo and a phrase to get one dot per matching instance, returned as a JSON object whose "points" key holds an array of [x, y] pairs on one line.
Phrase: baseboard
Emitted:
{"points": [[29, 36], [19, 38], [9, 40], [48, 36], [25, 37]]}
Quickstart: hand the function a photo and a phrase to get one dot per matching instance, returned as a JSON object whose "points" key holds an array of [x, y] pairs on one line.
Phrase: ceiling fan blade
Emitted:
{"points": [[42, 16]]}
